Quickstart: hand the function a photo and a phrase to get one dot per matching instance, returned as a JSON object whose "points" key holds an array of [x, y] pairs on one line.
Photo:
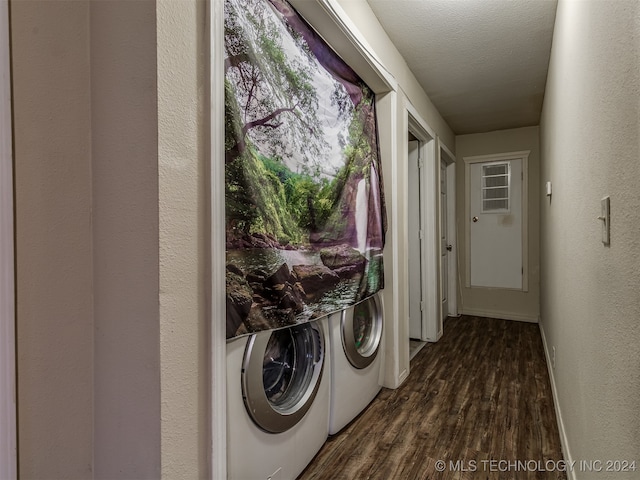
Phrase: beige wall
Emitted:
{"points": [[124, 164], [495, 302], [8, 434], [590, 139], [111, 175], [182, 154], [85, 126], [52, 134]]}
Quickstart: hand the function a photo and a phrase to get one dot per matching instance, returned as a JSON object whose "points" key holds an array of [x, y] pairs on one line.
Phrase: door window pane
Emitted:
{"points": [[496, 187]]}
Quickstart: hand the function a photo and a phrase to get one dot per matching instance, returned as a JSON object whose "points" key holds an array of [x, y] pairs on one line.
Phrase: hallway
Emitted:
{"points": [[478, 396], [114, 316]]}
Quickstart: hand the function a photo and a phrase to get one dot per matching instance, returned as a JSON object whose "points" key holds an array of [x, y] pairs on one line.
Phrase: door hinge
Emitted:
{"points": [[421, 306], [420, 162], [420, 234]]}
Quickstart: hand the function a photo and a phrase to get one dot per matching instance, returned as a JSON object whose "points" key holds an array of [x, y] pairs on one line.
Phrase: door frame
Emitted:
{"points": [[217, 261], [452, 236], [498, 157], [8, 428], [415, 294], [429, 222]]}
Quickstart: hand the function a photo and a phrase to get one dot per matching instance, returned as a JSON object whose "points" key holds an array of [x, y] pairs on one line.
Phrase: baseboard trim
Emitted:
{"points": [[402, 377], [564, 442], [518, 317]]}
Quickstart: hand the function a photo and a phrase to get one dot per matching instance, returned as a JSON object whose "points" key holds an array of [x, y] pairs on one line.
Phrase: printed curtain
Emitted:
{"points": [[305, 214]]}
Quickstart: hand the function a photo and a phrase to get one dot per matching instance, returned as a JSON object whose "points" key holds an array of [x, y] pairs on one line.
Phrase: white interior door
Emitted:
{"points": [[495, 223], [415, 264], [444, 243], [8, 467]]}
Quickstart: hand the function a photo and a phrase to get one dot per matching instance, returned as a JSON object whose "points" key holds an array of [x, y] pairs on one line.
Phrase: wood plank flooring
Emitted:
{"points": [[477, 399]]}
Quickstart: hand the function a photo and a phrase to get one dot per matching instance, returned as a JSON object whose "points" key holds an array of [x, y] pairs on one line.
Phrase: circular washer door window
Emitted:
{"points": [[361, 332], [281, 375]]}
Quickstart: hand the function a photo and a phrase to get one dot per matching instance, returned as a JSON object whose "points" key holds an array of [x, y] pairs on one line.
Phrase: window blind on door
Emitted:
{"points": [[496, 187]]}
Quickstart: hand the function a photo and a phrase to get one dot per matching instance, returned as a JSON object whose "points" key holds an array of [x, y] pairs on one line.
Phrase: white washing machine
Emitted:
{"points": [[356, 360], [278, 393]]}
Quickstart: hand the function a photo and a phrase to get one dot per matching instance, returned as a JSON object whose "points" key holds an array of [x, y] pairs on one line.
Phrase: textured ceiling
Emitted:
{"points": [[483, 63]]}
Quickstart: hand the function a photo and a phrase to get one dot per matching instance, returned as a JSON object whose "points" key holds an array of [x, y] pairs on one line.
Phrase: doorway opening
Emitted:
{"points": [[425, 322], [417, 338], [415, 210], [448, 234]]}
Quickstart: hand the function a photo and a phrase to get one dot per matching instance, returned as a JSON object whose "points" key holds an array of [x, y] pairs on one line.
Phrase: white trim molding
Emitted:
{"points": [[429, 220], [452, 236], [564, 440], [468, 161], [217, 302], [8, 435], [329, 19], [517, 317], [396, 365]]}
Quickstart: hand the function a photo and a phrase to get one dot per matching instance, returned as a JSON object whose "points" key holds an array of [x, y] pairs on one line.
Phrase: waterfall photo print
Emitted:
{"points": [[305, 214]]}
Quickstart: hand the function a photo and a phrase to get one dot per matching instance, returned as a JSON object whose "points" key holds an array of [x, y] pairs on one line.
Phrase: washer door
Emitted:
{"points": [[362, 331], [281, 374]]}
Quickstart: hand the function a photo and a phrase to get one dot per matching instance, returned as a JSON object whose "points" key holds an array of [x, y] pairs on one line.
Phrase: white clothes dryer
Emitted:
{"points": [[278, 393], [356, 360]]}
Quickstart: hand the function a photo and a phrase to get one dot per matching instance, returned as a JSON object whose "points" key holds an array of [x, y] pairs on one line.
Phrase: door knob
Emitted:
{"points": [[449, 248], [475, 219]]}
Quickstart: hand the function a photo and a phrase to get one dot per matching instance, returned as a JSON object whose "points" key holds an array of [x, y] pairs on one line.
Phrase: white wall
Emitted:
{"points": [[492, 302], [590, 297], [184, 248]]}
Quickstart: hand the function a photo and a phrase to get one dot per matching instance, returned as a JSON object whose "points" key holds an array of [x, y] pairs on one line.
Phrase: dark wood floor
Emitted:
{"points": [[477, 399]]}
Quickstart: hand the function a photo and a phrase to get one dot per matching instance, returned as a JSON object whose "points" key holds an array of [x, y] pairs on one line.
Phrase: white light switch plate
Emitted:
{"points": [[605, 205]]}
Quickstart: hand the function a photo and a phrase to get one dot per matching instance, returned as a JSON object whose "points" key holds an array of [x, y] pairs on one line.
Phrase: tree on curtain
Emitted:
{"points": [[304, 210]]}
